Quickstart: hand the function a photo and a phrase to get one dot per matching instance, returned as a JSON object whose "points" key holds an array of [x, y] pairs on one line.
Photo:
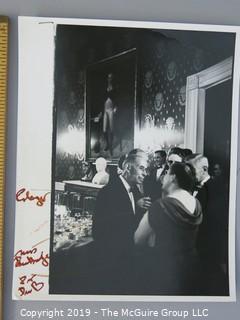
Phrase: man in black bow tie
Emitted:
{"points": [[114, 224], [200, 164], [152, 183]]}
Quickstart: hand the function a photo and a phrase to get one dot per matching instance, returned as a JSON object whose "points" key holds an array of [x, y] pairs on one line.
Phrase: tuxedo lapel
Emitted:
{"points": [[122, 197], [202, 196]]}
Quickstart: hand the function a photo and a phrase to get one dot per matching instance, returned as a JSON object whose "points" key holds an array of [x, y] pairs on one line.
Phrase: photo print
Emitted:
{"points": [[132, 184]]}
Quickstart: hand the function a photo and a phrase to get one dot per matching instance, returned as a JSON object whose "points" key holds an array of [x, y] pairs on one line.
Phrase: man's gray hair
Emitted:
{"points": [[133, 158], [196, 159]]}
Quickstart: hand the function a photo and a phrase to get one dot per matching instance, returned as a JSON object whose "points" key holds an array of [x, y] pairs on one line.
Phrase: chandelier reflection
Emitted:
{"points": [[72, 142], [152, 137]]}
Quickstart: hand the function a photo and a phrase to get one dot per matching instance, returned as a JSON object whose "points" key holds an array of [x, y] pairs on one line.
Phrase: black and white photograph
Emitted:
{"points": [[127, 161], [141, 161]]}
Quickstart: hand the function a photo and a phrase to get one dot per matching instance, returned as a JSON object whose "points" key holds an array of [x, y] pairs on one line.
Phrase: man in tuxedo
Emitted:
{"points": [[200, 164], [152, 183], [114, 224], [212, 236], [204, 192]]}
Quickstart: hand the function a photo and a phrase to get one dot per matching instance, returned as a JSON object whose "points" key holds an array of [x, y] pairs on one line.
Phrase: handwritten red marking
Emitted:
{"points": [[25, 195], [40, 226], [23, 291], [23, 258], [40, 242], [37, 286], [22, 279], [31, 282]]}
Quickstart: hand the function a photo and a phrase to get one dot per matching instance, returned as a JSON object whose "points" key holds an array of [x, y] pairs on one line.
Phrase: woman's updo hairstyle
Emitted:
{"points": [[185, 175]]}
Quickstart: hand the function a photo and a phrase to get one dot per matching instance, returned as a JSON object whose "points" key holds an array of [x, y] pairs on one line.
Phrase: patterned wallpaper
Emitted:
{"points": [[166, 64], [163, 66]]}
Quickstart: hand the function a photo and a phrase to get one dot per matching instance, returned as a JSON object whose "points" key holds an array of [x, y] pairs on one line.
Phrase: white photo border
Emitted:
{"points": [[28, 77]]}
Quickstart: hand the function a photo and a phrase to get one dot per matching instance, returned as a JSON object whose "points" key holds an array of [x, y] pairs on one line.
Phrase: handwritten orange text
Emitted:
{"points": [[28, 285], [25, 195], [32, 256]]}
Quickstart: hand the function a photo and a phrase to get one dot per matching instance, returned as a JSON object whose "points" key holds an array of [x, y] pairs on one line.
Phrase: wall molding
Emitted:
{"points": [[196, 87]]}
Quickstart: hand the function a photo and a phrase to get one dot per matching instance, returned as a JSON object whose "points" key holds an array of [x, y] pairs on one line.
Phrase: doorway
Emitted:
{"points": [[210, 83], [217, 127]]}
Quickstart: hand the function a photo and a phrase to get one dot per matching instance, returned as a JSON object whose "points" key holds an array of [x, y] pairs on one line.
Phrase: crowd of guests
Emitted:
{"points": [[161, 227]]}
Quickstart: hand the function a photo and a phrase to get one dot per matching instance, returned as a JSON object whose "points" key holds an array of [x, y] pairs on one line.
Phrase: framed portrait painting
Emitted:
{"points": [[111, 106]]}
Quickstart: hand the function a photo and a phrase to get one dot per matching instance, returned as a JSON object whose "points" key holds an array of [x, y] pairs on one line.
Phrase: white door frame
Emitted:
{"points": [[196, 87]]}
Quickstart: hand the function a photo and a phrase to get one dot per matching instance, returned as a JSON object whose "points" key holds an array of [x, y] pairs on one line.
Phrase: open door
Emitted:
{"points": [[206, 90]]}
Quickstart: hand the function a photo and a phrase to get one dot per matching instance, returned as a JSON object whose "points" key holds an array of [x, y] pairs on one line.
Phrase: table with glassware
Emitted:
{"points": [[73, 211]]}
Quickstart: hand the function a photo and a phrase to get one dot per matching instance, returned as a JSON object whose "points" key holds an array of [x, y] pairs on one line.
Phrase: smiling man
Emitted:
{"points": [[114, 224]]}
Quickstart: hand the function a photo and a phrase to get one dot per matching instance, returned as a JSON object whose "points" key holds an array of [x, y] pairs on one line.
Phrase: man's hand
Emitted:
{"points": [[144, 203], [98, 117]]}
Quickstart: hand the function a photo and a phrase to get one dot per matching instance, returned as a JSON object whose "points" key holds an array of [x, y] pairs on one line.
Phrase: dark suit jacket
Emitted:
{"points": [[212, 237], [114, 224], [114, 220]]}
